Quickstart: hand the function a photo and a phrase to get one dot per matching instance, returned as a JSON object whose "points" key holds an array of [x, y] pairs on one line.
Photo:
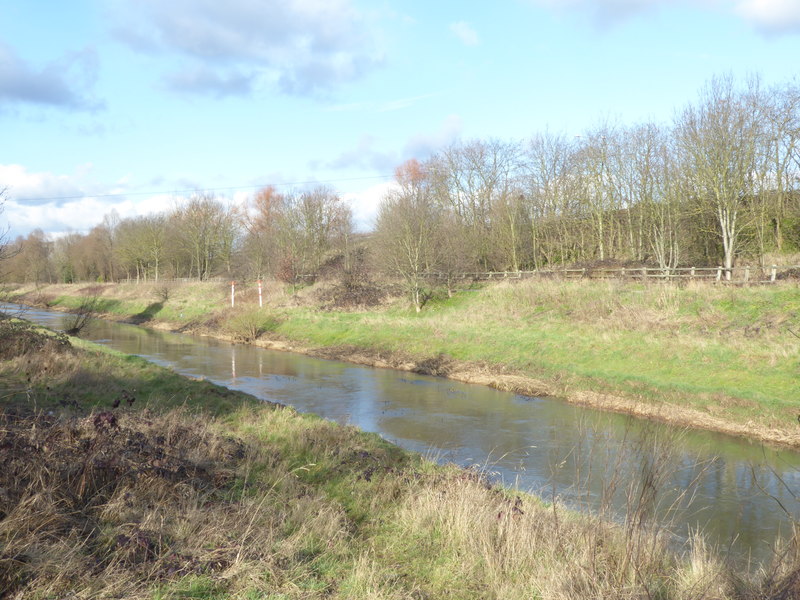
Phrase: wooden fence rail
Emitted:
{"points": [[747, 274], [735, 275]]}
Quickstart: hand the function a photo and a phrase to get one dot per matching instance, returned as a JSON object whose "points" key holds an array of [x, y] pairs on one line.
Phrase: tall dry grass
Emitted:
{"points": [[454, 537]]}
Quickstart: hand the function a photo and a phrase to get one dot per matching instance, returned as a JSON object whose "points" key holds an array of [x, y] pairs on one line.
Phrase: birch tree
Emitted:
{"points": [[548, 183], [471, 179], [719, 138]]}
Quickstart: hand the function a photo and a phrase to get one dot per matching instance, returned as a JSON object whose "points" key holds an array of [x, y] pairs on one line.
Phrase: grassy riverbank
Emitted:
{"points": [[715, 357], [122, 479]]}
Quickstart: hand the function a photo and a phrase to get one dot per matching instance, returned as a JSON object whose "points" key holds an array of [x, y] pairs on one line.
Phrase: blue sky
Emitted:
{"points": [[126, 104]]}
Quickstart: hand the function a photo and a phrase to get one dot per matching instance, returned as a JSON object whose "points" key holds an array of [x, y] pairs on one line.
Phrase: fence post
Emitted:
{"points": [[692, 273], [746, 274], [719, 273], [260, 304], [773, 273], [644, 273], [233, 286]]}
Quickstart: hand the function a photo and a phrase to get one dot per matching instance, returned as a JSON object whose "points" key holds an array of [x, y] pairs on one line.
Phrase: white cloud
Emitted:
{"points": [[365, 156], [79, 215], [302, 46], [464, 32], [365, 204], [207, 81], [37, 188], [60, 203], [771, 16], [55, 218]]}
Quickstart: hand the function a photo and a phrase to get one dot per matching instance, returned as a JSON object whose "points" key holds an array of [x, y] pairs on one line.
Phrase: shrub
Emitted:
{"points": [[248, 325]]}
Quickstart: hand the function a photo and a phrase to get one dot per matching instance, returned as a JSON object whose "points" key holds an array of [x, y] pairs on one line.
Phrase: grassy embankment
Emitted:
{"points": [[122, 479], [715, 357]]}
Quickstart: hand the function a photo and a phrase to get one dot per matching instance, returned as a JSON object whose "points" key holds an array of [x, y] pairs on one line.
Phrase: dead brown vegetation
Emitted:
{"points": [[108, 495], [20, 338]]}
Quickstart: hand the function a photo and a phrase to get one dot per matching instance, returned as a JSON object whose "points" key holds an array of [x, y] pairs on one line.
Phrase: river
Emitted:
{"points": [[742, 496]]}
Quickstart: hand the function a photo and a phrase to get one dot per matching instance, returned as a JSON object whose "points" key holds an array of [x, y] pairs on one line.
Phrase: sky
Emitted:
{"points": [[131, 105]]}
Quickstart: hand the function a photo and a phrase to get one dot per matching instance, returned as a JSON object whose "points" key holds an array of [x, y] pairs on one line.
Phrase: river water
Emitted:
{"points": [[742, 496]]}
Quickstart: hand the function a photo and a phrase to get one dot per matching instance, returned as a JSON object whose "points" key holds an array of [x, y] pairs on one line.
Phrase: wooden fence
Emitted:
{"points": [[736, 275]]}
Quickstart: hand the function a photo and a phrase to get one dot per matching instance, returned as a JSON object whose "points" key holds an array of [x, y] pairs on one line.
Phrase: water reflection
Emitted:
{"points": [[731, 489]]}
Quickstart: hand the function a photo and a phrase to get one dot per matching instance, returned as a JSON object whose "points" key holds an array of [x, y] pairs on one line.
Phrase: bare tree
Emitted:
{"points": [[314, 223], [778, 166], [651, 190], [29, 259], [453, 259], [262, 220], [408, 230], [663, 210], [130, 249], [720, 139], [509, 222], [596, 162], [470, 179], [207, 232], [154, 237], [548, 182]]}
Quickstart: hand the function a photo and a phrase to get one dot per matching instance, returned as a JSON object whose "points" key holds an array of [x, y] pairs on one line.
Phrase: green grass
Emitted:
{"points": [[759, 370]]}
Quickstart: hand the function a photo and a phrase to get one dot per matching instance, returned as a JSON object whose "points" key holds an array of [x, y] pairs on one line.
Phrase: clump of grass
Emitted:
{"points": [[455, 536], [249, 324]]}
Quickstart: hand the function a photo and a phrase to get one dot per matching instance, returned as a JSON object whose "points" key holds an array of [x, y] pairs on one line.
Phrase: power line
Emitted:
{"points": [[196, 190]]}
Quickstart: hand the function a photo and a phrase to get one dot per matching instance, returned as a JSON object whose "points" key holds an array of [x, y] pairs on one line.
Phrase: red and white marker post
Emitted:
{"points": [[260, 304], [233, 287]]}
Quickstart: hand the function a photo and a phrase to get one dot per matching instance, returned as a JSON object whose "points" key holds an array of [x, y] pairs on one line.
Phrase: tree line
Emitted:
{"points": [[719, 183], [284, 235]]}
